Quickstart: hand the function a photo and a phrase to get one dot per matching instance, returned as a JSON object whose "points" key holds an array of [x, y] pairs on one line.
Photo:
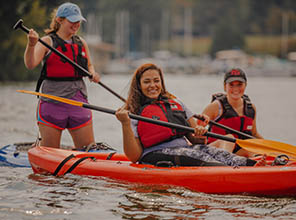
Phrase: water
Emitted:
{"points": [[24, 195]]}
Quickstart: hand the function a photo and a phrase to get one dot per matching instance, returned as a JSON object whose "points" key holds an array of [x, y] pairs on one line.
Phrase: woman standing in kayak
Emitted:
{"points": [[233, 109], [153, 144], [60, 78]]}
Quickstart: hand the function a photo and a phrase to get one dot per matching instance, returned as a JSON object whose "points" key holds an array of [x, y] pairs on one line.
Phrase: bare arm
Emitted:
{"points": [[255, 133], [35, 51], [131, 145], [212, 110], [91, 68]]}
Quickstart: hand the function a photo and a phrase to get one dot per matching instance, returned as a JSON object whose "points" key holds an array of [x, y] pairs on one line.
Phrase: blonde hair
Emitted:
{"points": [[54, 24], [136, 98]]}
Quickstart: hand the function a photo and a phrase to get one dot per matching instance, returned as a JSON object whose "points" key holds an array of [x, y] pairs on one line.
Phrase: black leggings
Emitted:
{"points": [[164, 160], [197, 155]]}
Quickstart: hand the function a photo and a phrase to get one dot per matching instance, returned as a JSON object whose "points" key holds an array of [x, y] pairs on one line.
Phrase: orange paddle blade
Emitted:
{"points": [[60, 99], [269, 147]]}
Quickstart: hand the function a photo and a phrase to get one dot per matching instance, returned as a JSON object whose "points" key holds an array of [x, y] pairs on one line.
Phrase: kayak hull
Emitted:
{"points": [[265, 180]]}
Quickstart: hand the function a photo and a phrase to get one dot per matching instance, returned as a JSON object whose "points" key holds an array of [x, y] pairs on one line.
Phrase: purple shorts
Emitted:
{"points": [[61, 115]]}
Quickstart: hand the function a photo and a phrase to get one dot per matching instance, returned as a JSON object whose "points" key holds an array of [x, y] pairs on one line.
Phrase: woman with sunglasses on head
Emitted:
{"points": [[60, 78]]}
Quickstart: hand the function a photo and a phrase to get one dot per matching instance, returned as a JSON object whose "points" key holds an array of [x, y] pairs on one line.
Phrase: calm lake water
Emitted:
{"points": [[24, 195]]}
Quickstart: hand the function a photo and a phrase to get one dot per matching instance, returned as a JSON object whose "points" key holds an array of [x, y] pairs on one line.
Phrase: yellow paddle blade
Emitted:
{"points": [[272, 148], [60, 99]]}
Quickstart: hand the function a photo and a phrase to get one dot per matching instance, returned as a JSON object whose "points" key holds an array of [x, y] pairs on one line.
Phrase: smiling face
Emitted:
{"points": [[235, 90], [151, 84], [68, 27], [73, 27]]}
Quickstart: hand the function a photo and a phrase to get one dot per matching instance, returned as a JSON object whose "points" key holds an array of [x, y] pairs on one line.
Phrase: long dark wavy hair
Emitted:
{"points": [[136, 99]]}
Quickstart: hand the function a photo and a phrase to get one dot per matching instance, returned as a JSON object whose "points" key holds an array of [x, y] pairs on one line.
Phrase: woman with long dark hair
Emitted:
{"points": [[153, 144]]}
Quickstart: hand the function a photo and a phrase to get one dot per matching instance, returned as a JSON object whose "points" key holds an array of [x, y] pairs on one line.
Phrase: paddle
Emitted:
{"points": [[225, 127], [20, 25], [262, 146]]}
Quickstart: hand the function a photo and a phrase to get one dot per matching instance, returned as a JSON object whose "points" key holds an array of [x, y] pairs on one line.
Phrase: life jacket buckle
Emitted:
{"points": [[280, 160]]}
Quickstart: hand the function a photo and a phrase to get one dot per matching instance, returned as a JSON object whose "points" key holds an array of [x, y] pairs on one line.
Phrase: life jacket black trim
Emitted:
{"points": [[232, 119], [79, 57], [167, 110]]}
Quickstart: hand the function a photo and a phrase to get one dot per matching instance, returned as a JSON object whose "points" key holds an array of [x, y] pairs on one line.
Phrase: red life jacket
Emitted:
{"points": [[56, 68], [231, 119], [166, 110]]}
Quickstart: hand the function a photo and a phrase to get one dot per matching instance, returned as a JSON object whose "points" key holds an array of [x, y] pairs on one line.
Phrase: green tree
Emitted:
{"points": [[13, 42], [35, 14], [229, 31], [227, 37]]}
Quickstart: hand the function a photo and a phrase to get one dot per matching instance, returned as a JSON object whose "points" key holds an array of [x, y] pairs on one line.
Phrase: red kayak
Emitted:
{"points": [[260, 180]]}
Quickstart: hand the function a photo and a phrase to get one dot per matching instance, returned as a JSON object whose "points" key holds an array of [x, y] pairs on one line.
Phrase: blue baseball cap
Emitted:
{"points": [[70, 11]]}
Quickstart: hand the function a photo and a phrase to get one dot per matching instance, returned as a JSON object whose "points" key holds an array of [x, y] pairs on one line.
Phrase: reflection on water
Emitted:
{"points": [[24, 195], [178, 203]]}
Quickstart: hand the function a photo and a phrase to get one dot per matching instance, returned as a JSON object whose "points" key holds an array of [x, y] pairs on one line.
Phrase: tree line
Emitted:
{"points": [[225, 22]]}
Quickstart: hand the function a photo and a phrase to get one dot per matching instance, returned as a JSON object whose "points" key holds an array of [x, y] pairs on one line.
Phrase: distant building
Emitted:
{"points": [[101, 54]]}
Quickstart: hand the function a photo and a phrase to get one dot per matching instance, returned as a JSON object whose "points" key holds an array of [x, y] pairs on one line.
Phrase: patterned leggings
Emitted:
{"points": [[197, 155]]}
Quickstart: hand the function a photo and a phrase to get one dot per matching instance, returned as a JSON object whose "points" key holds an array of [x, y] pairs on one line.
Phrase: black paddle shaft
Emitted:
{"points": [[225, 127], [158, 122], [19, 24]]}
